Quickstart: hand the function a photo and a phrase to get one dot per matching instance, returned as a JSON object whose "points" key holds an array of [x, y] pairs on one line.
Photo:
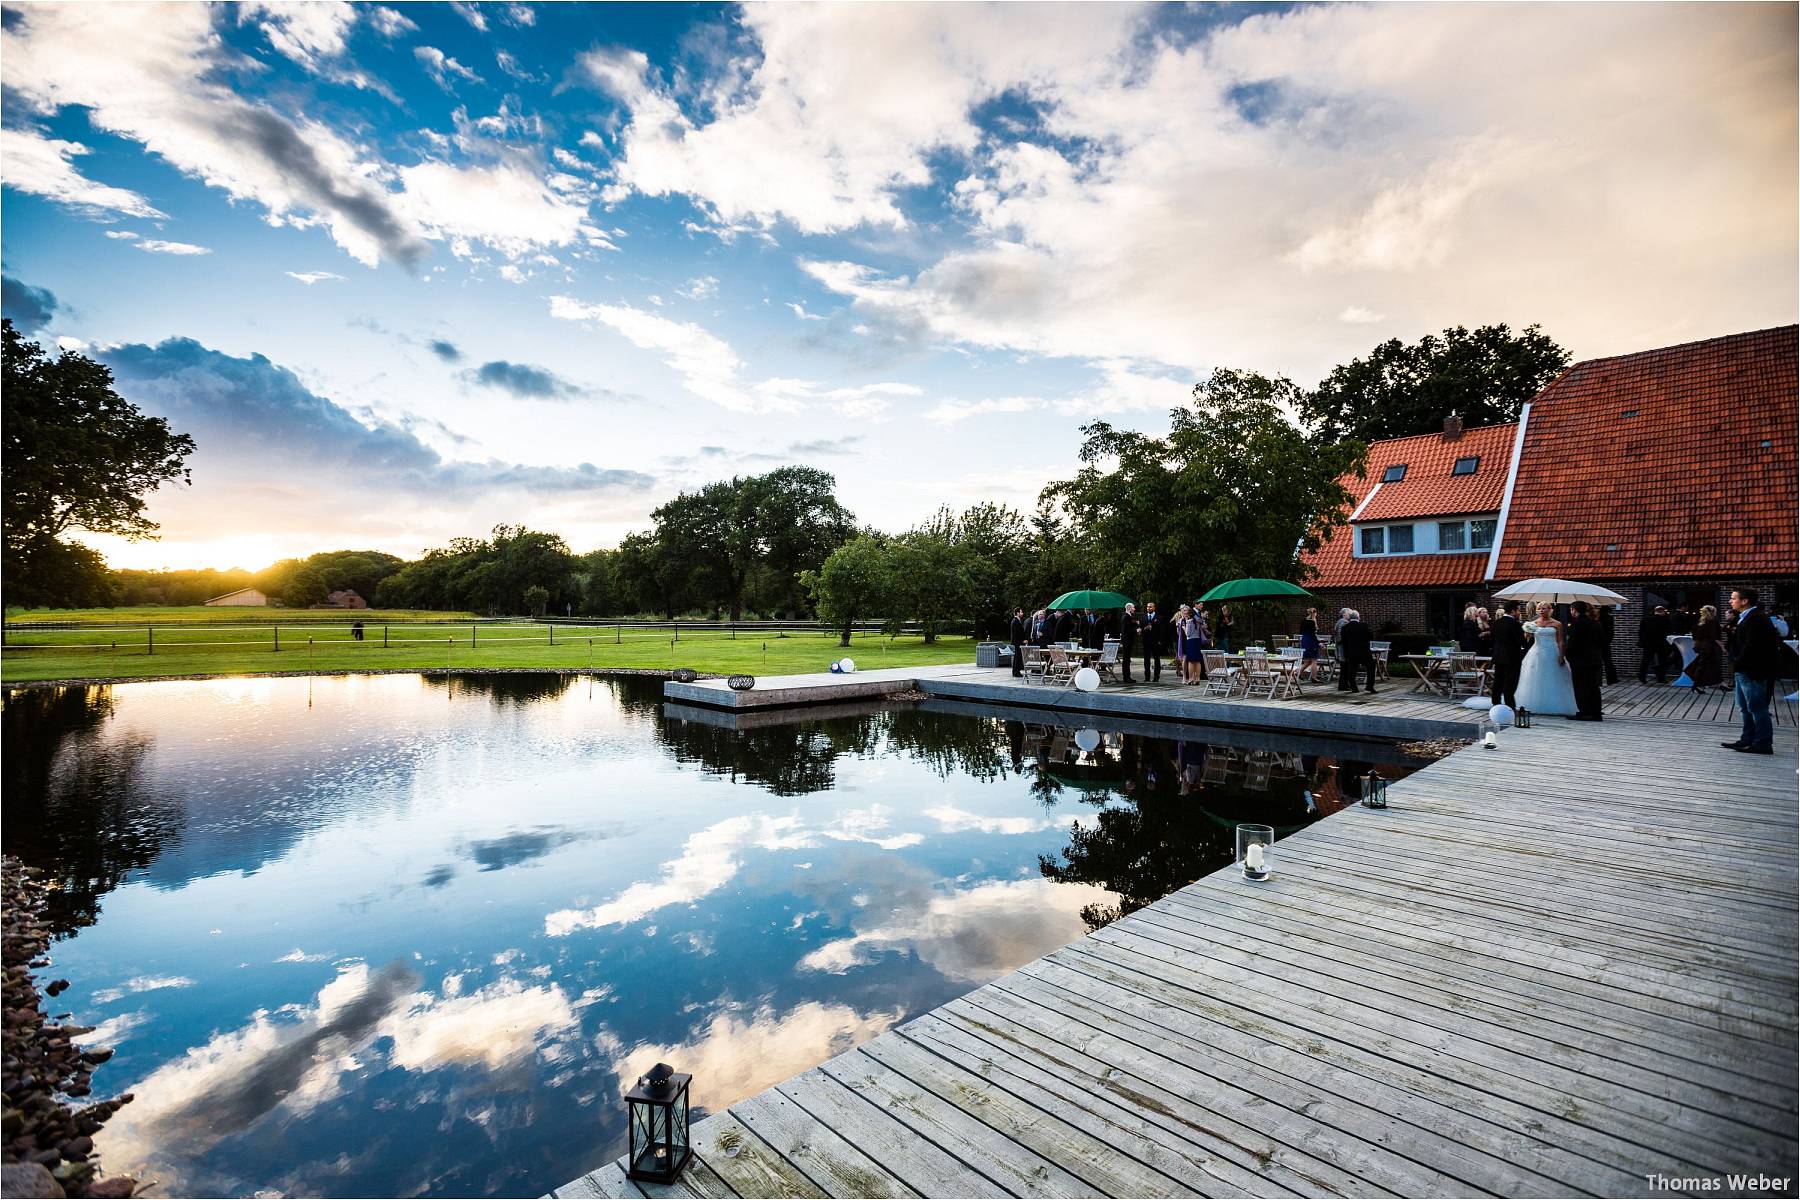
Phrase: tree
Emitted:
{"points": [[852, 585], [77, 455], [652, 575], [1400, 390], [537, 597], [1235, 489], [304, 587], [786, 521], [929, 580]]}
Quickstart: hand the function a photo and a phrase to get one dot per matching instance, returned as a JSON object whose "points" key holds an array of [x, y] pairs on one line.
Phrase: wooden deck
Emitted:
{"points": [[1561, 968]]}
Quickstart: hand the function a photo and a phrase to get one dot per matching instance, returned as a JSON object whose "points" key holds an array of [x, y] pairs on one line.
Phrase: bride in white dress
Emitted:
{"points": [[1545, 684]]}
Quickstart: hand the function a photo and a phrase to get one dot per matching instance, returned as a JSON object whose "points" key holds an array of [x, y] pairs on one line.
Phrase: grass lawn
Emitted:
{"points": [[159, 614], [198, 650]]}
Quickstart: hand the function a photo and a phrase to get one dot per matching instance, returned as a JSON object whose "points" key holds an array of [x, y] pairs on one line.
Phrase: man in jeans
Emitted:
{"points": [[1756, 657]]}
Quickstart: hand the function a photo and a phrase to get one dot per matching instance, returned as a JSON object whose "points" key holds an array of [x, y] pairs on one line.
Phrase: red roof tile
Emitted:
{"points": [[1698, 481], [1429, 490]]}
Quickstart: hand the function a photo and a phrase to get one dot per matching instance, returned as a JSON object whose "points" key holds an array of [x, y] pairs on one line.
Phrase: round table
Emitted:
{"points": [[1683, 642]]}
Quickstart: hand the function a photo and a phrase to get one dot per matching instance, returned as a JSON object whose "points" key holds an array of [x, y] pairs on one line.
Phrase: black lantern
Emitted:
{"points": [[685, 675], [1374, 789], [741, 683], [1522, 718], [658, 1105]]}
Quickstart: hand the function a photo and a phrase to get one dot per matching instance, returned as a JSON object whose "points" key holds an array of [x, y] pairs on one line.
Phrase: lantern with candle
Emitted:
{"points": [[659, 1125], [1374, 790], [1256, 851], [1522, 719], [1490, 735]]}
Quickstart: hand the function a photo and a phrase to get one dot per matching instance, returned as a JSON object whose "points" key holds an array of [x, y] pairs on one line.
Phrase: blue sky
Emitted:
{"points": [[406, 271]]}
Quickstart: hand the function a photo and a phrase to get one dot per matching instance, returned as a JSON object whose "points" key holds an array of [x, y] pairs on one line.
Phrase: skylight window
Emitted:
{"points": [[1467, 466], [1394, 474]]}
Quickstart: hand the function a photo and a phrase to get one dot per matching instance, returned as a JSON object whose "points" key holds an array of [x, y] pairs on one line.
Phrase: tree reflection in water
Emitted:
{"points": [[76, 804]]}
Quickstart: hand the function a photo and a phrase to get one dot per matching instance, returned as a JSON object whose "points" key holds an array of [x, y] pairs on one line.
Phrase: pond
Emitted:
{"points": [[399, 935]]}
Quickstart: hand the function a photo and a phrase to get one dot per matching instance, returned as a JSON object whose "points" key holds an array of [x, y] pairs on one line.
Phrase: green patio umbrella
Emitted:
{"points": [[1255, 589], [1090, 599]]}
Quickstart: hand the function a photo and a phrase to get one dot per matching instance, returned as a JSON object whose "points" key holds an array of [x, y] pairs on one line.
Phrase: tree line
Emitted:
{"points": [[1247, 477]]}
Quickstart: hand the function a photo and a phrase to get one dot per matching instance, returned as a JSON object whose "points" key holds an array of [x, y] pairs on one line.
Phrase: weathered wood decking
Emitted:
{"points": [[1566, 967]]}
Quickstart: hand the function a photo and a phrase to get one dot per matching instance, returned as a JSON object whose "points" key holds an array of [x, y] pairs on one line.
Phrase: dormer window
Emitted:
{"points": [[1467, 466], [1394, 474]]}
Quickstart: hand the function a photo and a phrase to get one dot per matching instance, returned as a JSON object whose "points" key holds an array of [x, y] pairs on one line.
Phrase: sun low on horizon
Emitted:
{"points": [[408, 271]]}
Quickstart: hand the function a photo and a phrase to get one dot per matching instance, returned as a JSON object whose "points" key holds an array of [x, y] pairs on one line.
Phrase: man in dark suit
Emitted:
{"points": [[1755, 648], [1093, 632], [1128, 635], [1353, 646], [1653, 644], [1587, 660], [1017, 635], [1152, 631], [1509, 653], [1065, 624]]}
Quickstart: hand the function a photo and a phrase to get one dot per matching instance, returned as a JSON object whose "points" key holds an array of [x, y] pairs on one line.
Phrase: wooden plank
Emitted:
{"points": [[747, 1164], [836, 1166]]}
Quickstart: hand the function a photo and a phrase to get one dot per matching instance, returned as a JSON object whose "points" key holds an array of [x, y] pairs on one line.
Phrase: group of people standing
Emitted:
{"points": [[1148, 636]]}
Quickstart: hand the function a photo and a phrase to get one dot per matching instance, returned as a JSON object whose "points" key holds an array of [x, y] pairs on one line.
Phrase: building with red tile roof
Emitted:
{"points": [[1667, 475]]}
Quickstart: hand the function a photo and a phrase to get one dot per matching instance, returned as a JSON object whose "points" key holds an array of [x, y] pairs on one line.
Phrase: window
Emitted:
{"points": [[1455, 536], [1452, 535], [1374, 541], [1466, 466], [1481, 534], [1394, 474], [1399, 539]]}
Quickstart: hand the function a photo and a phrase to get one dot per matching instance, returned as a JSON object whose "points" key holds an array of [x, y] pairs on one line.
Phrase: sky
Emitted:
{"points": [[406, 271]]}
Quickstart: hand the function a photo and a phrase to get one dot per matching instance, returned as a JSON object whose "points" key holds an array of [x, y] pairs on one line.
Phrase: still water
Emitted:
{"points": [[396, 936]]}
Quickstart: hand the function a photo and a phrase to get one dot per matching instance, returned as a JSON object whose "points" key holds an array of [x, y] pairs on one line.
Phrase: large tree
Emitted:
{"points": [[853, 585], [1397, 390], [785, 521], [1235, 489], [77, 455]]}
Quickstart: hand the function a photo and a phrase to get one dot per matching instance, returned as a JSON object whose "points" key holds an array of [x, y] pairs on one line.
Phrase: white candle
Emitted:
{"points": [[1490, 741], [1253, 857]]}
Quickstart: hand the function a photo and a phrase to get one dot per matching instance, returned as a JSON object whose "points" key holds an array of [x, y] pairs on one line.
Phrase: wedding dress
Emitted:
{"points": [[1545, 685]]}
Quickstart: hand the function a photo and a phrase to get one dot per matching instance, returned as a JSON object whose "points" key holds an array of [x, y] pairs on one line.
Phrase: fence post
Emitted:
{"points": [[552, 629], [471, 636], [151, 632], [618, 634], [384, 637], [278, 639]]}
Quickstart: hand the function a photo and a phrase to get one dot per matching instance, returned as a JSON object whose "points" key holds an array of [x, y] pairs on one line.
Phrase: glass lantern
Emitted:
{"points": [[658, 1106], [1374, 790], [1522, 718], [1256, 851], [1490, 735]]}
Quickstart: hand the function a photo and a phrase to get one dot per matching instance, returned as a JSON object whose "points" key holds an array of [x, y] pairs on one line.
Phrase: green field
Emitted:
{"points": [[211, 647], [158, 614]]}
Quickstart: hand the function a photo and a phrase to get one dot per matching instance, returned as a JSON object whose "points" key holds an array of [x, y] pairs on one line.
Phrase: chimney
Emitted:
{"points": [[1452, 427]]}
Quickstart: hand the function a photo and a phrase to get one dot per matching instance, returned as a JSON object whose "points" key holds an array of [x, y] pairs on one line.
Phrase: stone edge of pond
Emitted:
{"points": [[95, 680]]}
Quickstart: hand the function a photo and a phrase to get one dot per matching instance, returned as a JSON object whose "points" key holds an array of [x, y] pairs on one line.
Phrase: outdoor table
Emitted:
{"points": [[1683, 642], [1284, 663], [1437, 672]]}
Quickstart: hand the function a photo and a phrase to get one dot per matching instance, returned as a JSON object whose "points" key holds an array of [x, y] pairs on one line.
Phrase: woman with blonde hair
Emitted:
{"points": [[1309, 646], [1546, 685], [1708, 667], [1468, 636]]}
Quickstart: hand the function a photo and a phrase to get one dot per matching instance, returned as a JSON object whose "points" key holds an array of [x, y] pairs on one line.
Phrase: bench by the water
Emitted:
{"points": [[1563, 967]]}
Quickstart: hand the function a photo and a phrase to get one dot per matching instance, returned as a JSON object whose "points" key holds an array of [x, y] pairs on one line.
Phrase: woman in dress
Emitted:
{"points": [[1468, 637], [1545, 682], [1708, 667], [1179, 628], [1486, 620], [1192, 643], [1309, 646], [1225, 624]]}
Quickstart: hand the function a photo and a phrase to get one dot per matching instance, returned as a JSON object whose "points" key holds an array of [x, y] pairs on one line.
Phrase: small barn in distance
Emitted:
{"points": [[242, 598], [344, 599]]}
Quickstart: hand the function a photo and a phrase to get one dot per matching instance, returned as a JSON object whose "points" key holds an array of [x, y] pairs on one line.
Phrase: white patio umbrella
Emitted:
{"points": [[1559, 591]]}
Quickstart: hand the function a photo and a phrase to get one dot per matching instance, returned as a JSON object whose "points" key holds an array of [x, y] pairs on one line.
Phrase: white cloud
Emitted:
{"points": [[113, 1030], [952, 819], [969, 934], [308, 32], [390, 23], [442, 68], [1356, 314], [800, 311], [502, 1023], [950, 412], [707, 365], [504, 206], [141, 983], [311, 277], [471, 13], [120, 234], [703, 288], [40, 165], [735, 1056], [297, 955], [709, 859], [158, 246]]}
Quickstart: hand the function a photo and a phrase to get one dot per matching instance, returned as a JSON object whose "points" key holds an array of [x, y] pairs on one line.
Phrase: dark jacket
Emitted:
{"points": [[1654, 631], [1606, 624], [1093, 632], [1708, 667], [1353, 640], [1583, 643], [1756, 647], [1128, 632], [1019, 631], [1468, 639], [1510, 643], [1065, 624], [1155, 631], [1682, 621]]}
